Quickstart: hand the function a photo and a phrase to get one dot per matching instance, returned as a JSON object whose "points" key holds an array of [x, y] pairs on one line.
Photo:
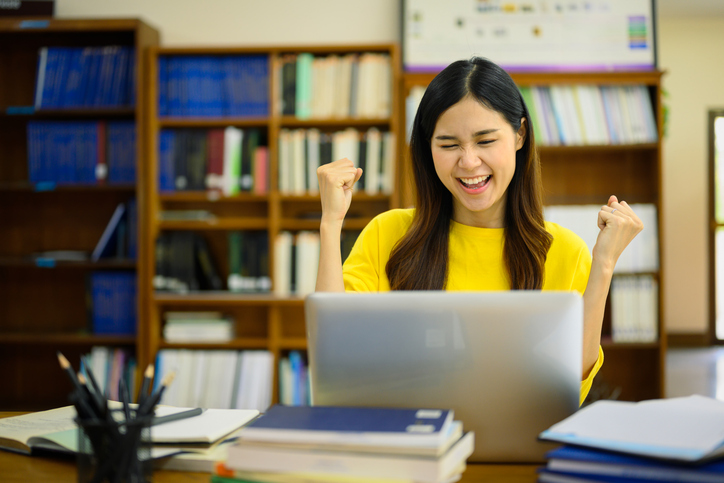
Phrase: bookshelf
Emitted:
{"points": [[587, 174], [43, 301], [262, 320]]}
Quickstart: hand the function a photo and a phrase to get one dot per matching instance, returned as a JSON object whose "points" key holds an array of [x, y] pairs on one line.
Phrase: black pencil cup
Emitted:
{"points": [[115, 451]]}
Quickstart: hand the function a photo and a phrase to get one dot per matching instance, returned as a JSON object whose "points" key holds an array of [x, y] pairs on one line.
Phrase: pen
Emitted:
{"points": [[176, 416], [147, 376]]}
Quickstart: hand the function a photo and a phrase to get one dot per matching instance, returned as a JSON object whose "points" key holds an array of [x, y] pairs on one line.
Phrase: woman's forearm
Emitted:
{"points": [[594, 306], [329, 273]]}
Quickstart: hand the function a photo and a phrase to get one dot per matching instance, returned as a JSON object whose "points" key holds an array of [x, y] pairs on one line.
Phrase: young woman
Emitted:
{"points": [[478, 220]]}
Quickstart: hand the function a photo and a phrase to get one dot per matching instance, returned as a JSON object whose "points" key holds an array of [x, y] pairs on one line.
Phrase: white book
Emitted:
{"points": [[183, 380], [282, 264], [647, 110], [345, 144], [384, 108], [600, 115], [412, 102], [40, 86], [249, 457], [299, 163], [285, 162], [374, 161], [228, 360], [389, 156], [266, 363], [99, 358], [313, 160], [168, 362], [343, 86], [617, 129], [563, 118], [307, 260], [199, 380], [232, 157]]}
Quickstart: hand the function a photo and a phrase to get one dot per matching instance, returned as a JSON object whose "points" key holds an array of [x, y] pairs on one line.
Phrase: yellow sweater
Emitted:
{"points": [[475, 261]]}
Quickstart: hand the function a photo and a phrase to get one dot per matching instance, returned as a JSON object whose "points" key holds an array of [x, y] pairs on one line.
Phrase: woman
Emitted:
{"points": [[478, 222]]}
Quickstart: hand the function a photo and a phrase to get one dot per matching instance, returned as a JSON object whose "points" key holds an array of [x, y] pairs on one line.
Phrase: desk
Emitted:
{"points": [[17, 468]]}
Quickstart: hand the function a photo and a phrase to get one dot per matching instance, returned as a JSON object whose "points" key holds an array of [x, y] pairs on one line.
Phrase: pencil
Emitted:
{"points": [[147, 376], [65, 365], [151, 402], [176, 416]]}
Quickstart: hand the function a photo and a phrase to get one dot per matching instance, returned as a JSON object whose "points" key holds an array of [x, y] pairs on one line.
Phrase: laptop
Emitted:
{"points": [[508, 363]]}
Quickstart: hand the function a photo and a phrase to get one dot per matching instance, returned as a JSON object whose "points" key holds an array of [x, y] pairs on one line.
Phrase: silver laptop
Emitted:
{"points": [[507, 363]]}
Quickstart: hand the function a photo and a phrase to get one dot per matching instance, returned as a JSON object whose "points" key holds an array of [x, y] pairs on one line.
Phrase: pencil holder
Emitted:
{"points": [[116, 450]]}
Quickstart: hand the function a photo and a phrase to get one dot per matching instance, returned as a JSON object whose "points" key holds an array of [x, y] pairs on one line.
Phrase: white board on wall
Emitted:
{"points": [[553, 35]]}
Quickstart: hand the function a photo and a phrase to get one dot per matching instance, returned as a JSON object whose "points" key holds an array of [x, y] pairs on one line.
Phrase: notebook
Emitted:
{"points": [[507, 363]]}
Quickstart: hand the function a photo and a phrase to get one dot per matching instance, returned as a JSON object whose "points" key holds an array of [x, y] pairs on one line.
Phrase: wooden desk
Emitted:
{"points": [[17, 468]]}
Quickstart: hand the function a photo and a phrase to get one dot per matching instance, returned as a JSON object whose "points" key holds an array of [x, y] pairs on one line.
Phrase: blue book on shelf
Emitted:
{"points": [[166, 155], [351, 425], [582, 461], [113, 296], [106, 246]]}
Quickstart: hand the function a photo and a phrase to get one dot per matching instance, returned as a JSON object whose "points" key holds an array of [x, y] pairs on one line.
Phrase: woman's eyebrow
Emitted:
{"points": [[447, 137]]}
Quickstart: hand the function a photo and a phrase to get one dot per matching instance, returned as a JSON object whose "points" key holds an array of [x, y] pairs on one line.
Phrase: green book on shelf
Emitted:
{"points": [[304, 86]]}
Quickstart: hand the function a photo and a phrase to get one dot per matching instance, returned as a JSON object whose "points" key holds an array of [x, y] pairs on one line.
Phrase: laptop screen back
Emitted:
{"points": [[507, 363]]}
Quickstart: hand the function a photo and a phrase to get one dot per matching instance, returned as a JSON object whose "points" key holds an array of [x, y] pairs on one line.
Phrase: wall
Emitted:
{"points": [[260, 22], [688, 51]]}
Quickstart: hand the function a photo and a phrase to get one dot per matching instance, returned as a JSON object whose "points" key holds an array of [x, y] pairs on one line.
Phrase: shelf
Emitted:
{"points": [[65, 114], [293, 343], [291, 121], [221, 299], [25, 262], [240, 344], [23, 186], [216, 224], [201, 196], [598, 148], [66, 339], [203, 122], [608, 345]]}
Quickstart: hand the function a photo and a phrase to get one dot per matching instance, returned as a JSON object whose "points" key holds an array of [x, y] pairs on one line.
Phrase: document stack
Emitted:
{"points": [[319, 443], [677, 439]]}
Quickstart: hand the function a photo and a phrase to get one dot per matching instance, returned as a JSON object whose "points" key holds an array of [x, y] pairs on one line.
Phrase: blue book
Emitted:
{"points": [[591, 462], [114, 300], [166, 165], [357, 426]]}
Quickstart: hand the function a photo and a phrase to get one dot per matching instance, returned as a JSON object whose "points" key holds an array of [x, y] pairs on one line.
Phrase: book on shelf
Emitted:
{"points": [[184, 263], [213, 85], [572, 462], [683, 429], [634, 308], [334, 86], [294, 381], [248, 262], [81, 152], [224, 379], [112, 297], [296, 258], [641, 255], [229, 160], [302, 151], [56, 430], [197, 327], [85, 77], [107, 364], [575, 115]]}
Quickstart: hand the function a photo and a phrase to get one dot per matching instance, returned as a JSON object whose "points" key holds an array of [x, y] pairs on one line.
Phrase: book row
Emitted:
{"points": [[634, 308], [81, 152], [294, 387], [184, 263], [296, 257], [113, 302], [572, 115], [302, 151], [335, 86], [641, 255], [197, 327], [109, 365], [229, 160], [213, 85], [223, 379], [79, 77]]}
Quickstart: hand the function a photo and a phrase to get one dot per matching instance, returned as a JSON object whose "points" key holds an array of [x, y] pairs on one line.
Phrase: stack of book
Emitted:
{"points": [[676, 439], [197, 327], [318, 443]]}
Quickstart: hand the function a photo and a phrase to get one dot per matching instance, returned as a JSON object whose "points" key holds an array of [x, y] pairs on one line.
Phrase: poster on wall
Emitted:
{"points": [[530, 35]]}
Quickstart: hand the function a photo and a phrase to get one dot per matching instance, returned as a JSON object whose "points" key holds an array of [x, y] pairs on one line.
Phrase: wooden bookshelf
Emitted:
{"points": [[262, 321], [589, 174], [42, 307]]}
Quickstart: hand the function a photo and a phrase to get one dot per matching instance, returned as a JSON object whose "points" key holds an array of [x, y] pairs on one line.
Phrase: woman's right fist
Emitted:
{"points": [[336, 181]]}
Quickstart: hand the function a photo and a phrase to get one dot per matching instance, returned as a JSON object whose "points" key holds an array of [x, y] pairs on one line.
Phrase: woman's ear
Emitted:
{"points": [[521, 134]]}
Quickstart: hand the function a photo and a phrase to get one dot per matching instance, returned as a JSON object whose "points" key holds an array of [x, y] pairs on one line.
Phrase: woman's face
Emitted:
{"points": [[473, 149]]}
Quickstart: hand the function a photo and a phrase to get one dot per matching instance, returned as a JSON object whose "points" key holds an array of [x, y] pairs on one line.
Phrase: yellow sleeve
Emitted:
{"points": [[360, 271], [588, 381]]}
